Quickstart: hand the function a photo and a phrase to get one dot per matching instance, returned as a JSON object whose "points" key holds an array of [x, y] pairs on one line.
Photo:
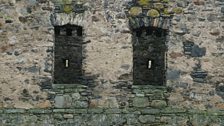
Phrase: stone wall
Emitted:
{"points": [[193, 94], [194, 72]]}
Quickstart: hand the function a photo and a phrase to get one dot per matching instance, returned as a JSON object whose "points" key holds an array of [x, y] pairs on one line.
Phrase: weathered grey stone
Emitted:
{"points": [[200, 120], [97, 120], [170, 110], [147, 118], [114, 111], [173, 74], [158, 103], [222, 10], [63, 101], [58, 116], [196, 33], [140, 102], [45, 82], [197, 51], [115, 119], [97, 110], [59, 101], [80, 104], [14, 111], [76, 96], [132, 119], [212, 17], [58, 110], [33, 69], [150, 111], [68, 116], [39, 111], [125, 66]]}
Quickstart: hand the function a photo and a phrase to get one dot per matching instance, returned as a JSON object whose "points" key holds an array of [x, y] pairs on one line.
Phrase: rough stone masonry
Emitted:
{"points": [[192, 94]]}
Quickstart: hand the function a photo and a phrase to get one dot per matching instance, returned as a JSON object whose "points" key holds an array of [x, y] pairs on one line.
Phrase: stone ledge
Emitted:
{"points": [[64, 86], [136, 111], [12, 111], [148, 87]]}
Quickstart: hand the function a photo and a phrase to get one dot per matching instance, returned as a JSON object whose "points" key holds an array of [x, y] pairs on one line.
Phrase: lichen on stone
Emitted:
{"points": [[67, 9], [135, 11], [177, 10], [143, 2], [165, 12], [158, 6], [165, 1], [153, 13]]}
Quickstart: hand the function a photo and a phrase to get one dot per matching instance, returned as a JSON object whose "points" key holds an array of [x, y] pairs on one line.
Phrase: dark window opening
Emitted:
{"points": [[149, 56], [67, 55], [79, 31], [68, 31]]}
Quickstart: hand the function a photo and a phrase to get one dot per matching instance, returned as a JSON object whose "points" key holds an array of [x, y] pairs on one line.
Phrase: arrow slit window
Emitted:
{"points": [[149, 56], [68, 54]]}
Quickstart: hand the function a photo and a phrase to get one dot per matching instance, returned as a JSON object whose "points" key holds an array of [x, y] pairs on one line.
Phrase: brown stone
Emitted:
{"points": [[23, 19], [220, 105], [175, 55], [1, 105], [198, 2], [47, 8], [45, 104], [215, 32], [4, 48]]}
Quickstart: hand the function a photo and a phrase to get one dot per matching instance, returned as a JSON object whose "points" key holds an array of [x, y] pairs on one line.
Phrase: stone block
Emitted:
{"points": [[170, 110], [15, 111], [68, 116], [59, 110], [81, 111], [39, 111], [63, 101], [140, 102], [58, 116], [173, 74], [76, 96], [80, 104], [197, 51], [132, 119], [113, 111], [147, 118], [158, 104], [222, 10], [97, 110], [150, 111]]}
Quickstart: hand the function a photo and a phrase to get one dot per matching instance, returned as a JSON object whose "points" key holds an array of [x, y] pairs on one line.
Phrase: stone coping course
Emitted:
{"points": [[137, 111]]}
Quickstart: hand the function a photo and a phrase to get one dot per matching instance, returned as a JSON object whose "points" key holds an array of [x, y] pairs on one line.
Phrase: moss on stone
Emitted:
{"points": [[67, 1], [165, 12], [177, 10], [153, 13], [143, 2], [135, 11], [158, 6], [67, 9], [165, 1]]}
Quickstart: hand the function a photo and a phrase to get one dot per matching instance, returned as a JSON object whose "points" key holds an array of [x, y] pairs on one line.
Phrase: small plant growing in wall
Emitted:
{"points": [[67, 5]]}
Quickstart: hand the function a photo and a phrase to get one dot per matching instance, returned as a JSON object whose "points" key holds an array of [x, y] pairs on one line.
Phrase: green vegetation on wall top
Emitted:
{"points": [[68, 6], [152, 8]]}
